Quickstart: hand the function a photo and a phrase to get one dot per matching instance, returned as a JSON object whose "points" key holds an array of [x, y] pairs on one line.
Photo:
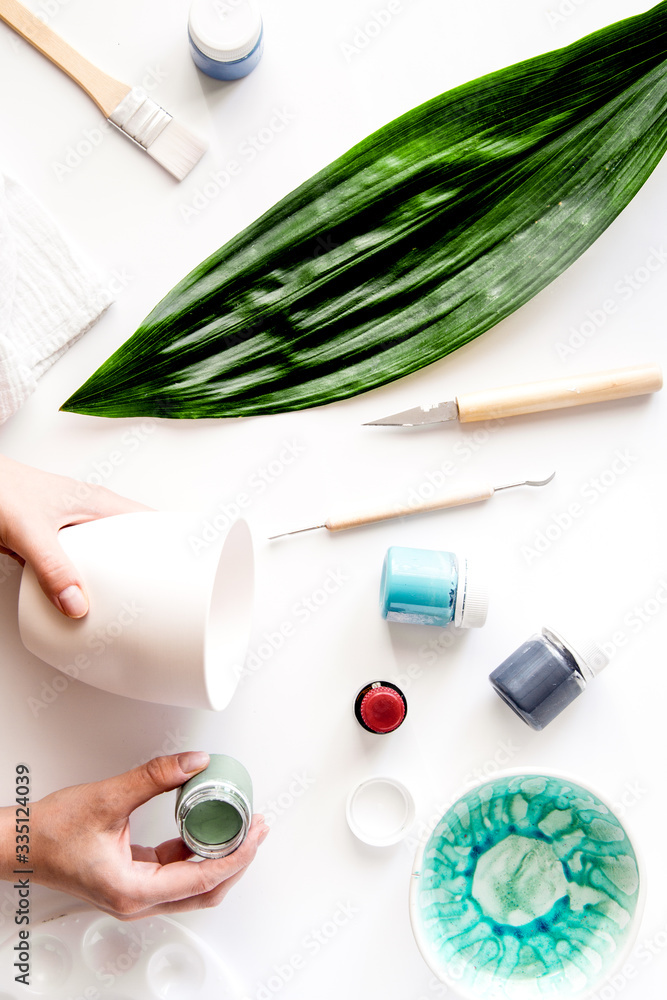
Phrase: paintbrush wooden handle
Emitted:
{"points": [[470, 495], [513, 400], [104, 90]]}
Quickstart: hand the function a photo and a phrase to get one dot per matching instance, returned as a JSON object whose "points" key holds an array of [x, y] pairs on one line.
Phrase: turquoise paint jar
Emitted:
{"points": [[226, 37], [214, 808], [428, 587]]}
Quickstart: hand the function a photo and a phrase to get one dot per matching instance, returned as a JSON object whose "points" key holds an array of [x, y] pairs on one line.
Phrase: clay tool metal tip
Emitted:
{"points": [[470, 495], [132, 112], [515, 400]]}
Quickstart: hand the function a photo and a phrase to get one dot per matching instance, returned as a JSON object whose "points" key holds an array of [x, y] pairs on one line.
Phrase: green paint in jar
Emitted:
{"points": [[214, 808]]}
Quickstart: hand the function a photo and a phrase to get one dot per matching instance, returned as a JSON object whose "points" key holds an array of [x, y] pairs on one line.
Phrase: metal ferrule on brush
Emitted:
{"points": [[140, 118]]}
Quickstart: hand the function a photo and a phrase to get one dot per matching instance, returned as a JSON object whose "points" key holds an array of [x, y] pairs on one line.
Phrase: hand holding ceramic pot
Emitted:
{"points": [[80, 844], [34, 506]]}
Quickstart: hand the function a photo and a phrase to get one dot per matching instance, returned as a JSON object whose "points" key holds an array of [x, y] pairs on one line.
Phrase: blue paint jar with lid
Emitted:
{"points": [[428, 587], [226, 37]]}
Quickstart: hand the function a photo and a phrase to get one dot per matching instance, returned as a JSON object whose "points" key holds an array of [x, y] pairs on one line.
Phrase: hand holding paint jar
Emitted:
{"points": [[86, 821]]}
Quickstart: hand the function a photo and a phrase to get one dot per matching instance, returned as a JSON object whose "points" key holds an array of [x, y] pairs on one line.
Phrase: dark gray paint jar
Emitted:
{"points": [[545, 674]]}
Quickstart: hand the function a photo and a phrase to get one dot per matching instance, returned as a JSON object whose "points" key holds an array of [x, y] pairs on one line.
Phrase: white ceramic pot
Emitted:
{"points": [[170, 614]]}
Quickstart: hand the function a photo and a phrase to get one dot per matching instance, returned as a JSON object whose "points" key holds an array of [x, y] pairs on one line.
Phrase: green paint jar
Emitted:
{"points": [[214, 809]]}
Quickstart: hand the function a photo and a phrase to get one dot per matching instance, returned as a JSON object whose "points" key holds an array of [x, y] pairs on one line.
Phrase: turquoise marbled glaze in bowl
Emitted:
{"points": [[528, 887]]}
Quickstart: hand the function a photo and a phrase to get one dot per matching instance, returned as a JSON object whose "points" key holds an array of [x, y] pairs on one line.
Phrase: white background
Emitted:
{"points": [[292, 717]]}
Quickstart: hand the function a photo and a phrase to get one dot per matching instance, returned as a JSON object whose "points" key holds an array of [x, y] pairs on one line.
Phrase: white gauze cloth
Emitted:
{"points": [[49, 296]]}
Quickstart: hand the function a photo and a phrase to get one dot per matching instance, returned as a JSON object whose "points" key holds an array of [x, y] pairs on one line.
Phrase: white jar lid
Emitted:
{"points": [[225, 30], [472, 599], [590, 656], [380, 811]]}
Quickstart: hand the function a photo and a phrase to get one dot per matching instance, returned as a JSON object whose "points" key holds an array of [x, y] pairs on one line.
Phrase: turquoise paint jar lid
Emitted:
{"points": [[429, 587]]}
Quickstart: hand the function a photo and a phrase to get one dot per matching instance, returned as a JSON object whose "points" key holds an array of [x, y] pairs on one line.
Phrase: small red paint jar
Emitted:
{"points": [[380, 707]]}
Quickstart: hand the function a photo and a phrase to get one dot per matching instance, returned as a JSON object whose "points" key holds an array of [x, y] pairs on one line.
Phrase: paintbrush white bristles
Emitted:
{"points": [[130, 110], [177, 150], [149, 125]]}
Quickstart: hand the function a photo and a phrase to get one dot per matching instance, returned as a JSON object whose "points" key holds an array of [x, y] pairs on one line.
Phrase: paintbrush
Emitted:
{"points": [[132, 112]]}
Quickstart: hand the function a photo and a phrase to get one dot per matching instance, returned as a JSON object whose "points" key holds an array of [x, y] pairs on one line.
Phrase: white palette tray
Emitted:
{"points": [[89, 954]]}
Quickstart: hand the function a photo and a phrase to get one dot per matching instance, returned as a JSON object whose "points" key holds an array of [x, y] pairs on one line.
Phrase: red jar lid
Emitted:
{"points": [[382, 709]]}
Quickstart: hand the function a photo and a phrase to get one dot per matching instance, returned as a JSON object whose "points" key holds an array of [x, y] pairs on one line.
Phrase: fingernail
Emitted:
{"points": [[263, 835], [193, 760], [73, 602]]}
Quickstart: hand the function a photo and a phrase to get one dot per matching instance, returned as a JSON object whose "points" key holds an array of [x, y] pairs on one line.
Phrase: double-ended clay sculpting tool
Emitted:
{"points": [[129, 109], [470, 495], [535, 397]]}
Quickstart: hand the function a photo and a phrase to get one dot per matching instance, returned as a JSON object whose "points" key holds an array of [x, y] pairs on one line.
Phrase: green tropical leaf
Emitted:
{"points": [[414, 242]]}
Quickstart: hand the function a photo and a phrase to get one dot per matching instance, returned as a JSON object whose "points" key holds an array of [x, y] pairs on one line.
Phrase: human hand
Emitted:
{"points": [[80, 844], [34, 506]]}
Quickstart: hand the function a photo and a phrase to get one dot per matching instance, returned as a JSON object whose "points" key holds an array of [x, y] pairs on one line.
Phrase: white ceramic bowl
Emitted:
{"points": [[529, 886], [170, 614]]}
